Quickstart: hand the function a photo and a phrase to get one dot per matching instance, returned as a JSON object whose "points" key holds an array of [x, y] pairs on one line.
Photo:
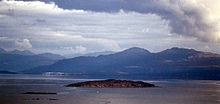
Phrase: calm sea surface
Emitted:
{"points": [[12, 88]]}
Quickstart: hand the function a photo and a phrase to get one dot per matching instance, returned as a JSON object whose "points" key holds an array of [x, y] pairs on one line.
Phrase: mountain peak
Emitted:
{"points": [[176, 53], [136, 50], [177, 49]]}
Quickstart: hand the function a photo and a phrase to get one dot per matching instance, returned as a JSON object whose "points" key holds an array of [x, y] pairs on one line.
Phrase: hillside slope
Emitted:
{"points": [[170, 63]]}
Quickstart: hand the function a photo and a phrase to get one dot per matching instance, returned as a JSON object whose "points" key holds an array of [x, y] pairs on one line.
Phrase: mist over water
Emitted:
{"points": [[12, 88]]}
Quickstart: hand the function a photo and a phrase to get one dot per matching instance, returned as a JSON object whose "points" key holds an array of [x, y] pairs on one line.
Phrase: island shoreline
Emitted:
{"points": [[111, 83]]}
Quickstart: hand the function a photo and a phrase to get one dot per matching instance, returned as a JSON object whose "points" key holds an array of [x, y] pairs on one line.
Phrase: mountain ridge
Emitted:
{"points": [[24, 52], [16, 60], [29, 53], [16, 63], [186, 63], [95, 54]]}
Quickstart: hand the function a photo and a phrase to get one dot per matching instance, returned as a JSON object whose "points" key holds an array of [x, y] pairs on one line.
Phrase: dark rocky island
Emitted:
{"points": [[39, 93], [112, 83]]}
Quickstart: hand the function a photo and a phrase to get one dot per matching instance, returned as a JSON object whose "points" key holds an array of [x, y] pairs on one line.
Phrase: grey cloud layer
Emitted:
{"points": [[50, 28], [77, 26], [186, 17]]}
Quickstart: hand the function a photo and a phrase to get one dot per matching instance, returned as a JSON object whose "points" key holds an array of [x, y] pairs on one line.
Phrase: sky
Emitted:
{"points": [[85, 26]]}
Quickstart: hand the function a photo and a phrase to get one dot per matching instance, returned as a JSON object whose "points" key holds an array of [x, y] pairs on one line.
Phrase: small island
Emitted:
{"points": [[112, 83], [39, 93]]}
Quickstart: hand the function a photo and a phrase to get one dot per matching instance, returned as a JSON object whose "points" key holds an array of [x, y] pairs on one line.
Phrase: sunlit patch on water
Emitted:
{"points": [[63, 93], [105, 102]]}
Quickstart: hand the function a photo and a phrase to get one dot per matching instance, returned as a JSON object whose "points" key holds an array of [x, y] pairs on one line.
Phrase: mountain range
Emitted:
{"points": [[15, 61], [140, 63]]}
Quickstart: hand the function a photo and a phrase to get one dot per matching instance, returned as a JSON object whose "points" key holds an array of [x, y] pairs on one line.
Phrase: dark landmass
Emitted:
{"points": [[7, 72], [112, 83], [40, 99], [138, 63], [95, 54], [50, 56], [52, 99], [133, 63], [18, 61], [39, 93]]}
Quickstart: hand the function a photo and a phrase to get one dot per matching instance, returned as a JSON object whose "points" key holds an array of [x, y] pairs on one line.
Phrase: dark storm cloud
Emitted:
{"points": [[143, 6], [187, 18]]}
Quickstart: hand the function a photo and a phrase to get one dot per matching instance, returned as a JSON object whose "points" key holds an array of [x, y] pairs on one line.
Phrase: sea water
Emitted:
{"points": [[12, 88]]}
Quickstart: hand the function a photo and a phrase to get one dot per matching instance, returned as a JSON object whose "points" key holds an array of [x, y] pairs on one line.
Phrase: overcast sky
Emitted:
{"points": [[84, 26]]}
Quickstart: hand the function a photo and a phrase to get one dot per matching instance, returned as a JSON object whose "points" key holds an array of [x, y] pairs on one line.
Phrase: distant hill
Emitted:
{"points": [[29, 53], [51, 56], [18, 52], [140, 63], [99, 53], [95, 54], [7, 72], [17, 60]]}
